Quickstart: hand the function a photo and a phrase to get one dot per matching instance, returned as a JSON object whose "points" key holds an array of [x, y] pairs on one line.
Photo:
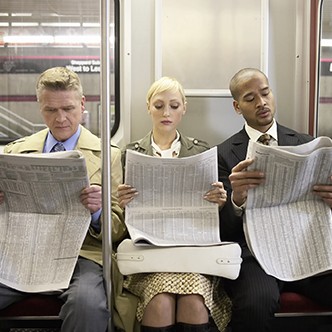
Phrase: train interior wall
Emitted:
{"points": [[210, 116]]}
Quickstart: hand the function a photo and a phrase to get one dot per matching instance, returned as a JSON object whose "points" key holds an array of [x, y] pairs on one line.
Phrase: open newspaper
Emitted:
{"points": [[42, 221], [169, 209], [288, 228]]}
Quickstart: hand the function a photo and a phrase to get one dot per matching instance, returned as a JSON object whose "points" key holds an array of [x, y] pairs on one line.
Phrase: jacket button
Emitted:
{"points": [[136, 146], [195, 141]]}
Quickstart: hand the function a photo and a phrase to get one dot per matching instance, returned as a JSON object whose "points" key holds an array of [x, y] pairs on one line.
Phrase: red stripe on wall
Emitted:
{"points": [[30, 98]]}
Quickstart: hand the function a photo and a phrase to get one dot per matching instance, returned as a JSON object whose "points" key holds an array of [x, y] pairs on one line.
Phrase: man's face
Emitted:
{"points": [[256, 102], [62, 112]]}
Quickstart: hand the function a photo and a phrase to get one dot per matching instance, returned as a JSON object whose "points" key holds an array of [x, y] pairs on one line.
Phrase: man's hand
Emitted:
{"points": [[325, 192], [91, 198], [242, 180]]}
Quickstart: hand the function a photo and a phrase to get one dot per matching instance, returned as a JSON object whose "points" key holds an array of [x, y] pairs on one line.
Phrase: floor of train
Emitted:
{"points": [[295, 324], [34, 330]]}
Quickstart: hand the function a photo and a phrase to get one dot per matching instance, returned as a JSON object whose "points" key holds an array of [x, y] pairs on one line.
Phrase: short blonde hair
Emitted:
{"points": [[58, 78], [165, 84]]}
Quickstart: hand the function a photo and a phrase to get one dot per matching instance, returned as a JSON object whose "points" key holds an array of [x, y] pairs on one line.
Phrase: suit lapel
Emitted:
{"points": [[286, 136], [240, 145]]}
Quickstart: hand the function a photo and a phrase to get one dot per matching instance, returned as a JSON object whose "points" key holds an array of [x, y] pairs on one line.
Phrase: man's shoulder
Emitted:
{"points": [[115, 150], [238, 138], [288, 133], [89, 141], [27, 143], [14, 145]]}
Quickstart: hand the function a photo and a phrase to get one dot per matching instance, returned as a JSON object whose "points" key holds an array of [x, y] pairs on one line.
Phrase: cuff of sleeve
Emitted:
{"points": [[95, 220], [239, 210]]}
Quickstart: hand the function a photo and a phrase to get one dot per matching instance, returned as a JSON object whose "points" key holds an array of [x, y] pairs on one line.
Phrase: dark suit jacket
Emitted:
{"points": [[230, 153]]}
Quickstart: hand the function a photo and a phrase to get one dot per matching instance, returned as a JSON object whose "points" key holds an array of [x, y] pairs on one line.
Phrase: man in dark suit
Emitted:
{"points": [[255, 295]]}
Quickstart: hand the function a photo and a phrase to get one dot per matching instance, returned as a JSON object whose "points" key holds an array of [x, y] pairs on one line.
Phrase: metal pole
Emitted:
{"points": [[105, 86]]}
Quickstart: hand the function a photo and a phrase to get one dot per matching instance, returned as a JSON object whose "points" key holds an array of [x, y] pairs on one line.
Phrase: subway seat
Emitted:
{"points": [[39, 310], [294, 304], [34, 311]]}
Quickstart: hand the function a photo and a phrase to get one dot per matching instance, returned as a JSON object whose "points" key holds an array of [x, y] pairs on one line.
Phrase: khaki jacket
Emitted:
{"points": [[189, 146], [90, 147]]}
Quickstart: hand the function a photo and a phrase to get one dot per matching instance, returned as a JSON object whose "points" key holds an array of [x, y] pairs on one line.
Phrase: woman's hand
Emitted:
{"points": [[217, 194], [126, 194]]}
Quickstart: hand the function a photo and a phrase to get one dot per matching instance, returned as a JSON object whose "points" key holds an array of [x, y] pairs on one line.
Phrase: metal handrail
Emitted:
{"points": [[105, 97], [27, 126]]}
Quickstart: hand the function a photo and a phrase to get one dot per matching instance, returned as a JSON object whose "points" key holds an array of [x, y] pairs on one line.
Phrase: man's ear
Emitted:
{"points": [[83, 104], [237, 107]]}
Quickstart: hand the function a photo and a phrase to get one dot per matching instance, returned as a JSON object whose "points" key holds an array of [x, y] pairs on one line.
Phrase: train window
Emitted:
{"points": [[36, 35], [201, 43], [324, 110]]}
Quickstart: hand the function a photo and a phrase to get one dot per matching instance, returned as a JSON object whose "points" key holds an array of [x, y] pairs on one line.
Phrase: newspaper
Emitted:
{"points": [[169, 209], [42, 221], [288, 228]]}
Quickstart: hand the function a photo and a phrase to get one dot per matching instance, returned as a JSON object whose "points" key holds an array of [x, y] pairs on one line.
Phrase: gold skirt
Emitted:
{"points": [[147, 285]]}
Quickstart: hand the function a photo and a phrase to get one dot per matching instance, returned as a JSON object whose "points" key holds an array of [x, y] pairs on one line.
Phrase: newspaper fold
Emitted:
{"points": [[288, 228], [169, 209], [42, 221]]}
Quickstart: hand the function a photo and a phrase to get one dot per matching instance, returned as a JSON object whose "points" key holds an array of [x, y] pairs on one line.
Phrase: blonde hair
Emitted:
{"points": [[165, 84], [58, 78]]}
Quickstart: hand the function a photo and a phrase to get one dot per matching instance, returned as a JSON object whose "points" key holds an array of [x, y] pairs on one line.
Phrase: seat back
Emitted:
{"points": [[36, 311], [294, 304], [299, 313]]}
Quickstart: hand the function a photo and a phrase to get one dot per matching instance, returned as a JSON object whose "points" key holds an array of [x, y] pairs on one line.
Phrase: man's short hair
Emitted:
{"points": [[58, 78]]}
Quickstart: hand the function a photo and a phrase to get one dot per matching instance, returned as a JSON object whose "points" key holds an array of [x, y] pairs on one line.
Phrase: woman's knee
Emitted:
{"points": [[191, 309], [160, 311]]}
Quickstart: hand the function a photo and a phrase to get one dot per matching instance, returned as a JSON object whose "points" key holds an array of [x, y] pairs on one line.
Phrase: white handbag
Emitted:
{"points": [[222, 260]]}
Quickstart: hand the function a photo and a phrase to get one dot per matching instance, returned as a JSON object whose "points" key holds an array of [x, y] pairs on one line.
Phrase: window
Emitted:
{"points": [[195, 39], [43, 35], [324, 105]]}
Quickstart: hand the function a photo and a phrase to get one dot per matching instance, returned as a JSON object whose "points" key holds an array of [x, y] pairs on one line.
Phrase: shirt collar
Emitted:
{"points": [[255, 134], [172, 152], [69, 144]]}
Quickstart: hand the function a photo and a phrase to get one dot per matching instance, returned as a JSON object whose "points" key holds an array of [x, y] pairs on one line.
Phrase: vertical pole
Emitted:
{"points": [[105, 97]]}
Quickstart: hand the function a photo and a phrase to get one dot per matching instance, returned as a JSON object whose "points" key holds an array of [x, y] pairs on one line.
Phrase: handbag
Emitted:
{"points": [[222, 260]]}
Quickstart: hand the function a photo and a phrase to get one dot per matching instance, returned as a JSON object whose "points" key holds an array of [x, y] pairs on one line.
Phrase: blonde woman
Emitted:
{"points": [[174, 301]]}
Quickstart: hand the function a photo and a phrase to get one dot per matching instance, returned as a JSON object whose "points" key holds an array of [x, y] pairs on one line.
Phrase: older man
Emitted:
{"points": [[60, 94]]}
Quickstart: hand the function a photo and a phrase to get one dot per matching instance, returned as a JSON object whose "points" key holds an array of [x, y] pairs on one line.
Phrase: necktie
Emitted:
{"points": [[264, 139], [58, 147]]}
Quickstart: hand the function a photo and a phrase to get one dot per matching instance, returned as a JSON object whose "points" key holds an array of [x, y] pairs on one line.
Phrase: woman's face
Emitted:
{"points": [[166, 110]]}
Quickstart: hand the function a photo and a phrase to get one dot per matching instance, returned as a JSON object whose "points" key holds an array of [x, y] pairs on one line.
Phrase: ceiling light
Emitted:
{"points": [[91, 25], [326, 42], [26, 39], [77, 39], [24, 24], [61, 24], [21, 14]]}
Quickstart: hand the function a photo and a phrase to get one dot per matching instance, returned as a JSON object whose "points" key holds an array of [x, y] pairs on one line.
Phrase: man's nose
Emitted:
{"points": [[261, 101], [60, 116]]}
